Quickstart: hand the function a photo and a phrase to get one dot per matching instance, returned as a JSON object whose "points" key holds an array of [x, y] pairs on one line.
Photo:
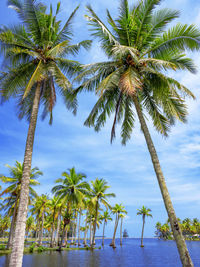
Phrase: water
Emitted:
{"points": [[156, 253]]}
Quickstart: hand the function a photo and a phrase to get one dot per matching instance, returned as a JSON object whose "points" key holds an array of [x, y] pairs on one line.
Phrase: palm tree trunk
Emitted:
{"points": [[52, 230], [79, 228], [121, 232], [91, 243], [143, 222], [180, 242], [42, 228], [95, 224], [62, 238], [103, 232], [57, 230], [75, 231], [18, 242], [115, 231], [12, 228], [65, 238], [72, 238], [85, 233]]}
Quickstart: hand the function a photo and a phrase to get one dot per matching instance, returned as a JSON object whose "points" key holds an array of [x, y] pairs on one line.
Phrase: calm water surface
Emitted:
{"points": [[156, 253]]}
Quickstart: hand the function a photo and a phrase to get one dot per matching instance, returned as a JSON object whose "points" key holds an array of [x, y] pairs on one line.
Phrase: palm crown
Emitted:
{"points": [[35, 53], [140, 51]]}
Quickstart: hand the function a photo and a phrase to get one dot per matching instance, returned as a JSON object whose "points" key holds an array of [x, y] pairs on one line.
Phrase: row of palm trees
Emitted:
{"points": [[190, 229], [62, 213], [141, 51]]}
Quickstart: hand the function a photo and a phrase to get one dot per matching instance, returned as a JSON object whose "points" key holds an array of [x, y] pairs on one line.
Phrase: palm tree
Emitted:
{"points": [[99, 195], [139, 49], [117, 209], [71, 190], [105, 217], [54, 206], [15, 180], [30, 222], [40, 207], [145, 212], [34, 53]]}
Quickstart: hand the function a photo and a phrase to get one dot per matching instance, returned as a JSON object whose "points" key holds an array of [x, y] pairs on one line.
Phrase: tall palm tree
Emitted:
{"points": [[117, 209], [15, 181], [71, 190], [140, 50], [105, 217], [35, 58], [99, 196], [145, 212]]}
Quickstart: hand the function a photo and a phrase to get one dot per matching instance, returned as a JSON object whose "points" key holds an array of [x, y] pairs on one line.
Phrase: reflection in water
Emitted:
{"points": [[156, 253]]}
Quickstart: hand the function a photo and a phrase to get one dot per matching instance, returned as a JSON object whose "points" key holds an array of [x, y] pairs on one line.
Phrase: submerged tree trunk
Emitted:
{"points": [[79, 228], [62, 238], [18, 241], [91, 243], [143, 222], [121, 232], [115, 231], [42, 229], [103, 232], [75, 231], [180, 242], [12, 228]]}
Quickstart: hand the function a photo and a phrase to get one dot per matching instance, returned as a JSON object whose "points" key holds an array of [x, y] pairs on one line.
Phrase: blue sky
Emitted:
{"points": [[128, 170]]}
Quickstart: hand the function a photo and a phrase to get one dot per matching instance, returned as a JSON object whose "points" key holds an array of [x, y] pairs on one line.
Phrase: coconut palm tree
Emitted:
{"points": [[117, 209], [40, 207], [35, 66], [105, 217], [12, 201], [71, 190], [30, 223], [140, 49], [99, 196], [145, 212]]}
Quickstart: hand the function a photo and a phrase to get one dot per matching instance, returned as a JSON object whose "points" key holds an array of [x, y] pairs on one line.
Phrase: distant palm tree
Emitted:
{"points": [[35, 66], [99, 195], [30, 223], [105, 217], [40, 207], [134, 82], [117, 209], [145, 212], [71, 190], [13, 190]]}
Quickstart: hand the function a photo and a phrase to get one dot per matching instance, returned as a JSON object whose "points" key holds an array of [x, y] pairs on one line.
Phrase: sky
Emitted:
{"points": [[127, 169]]}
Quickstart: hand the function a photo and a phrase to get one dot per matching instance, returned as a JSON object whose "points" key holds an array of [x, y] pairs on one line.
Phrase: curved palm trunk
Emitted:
{"points": [[95, 224], [79, 228], [18, 242], [143, 222], [121, 232], [115, 231], [180, 242], [103, 232], [72, 238], [62, 238], [42, 229], [58, 230], [12, 228]]}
